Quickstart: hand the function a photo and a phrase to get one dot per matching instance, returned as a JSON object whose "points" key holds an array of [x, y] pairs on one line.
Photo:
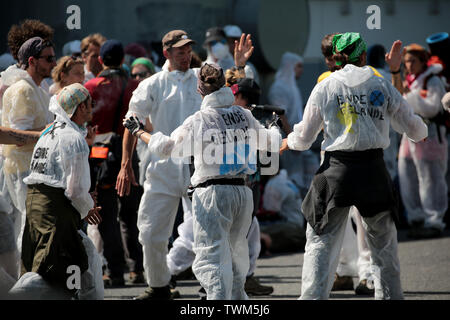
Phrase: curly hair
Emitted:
{"points": [[64, 65], [232, 76], [28, 29]]}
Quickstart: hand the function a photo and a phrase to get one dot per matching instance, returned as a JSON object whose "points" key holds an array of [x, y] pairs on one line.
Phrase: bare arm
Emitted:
{"points": [[19, 137], [126, 175]]}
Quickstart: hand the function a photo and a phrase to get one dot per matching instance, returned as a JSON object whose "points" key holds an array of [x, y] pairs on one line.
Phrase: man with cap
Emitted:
{"points": [[222, 204], [58, 192], [167, 98], [25, 107], [355, 109], [111, 91]]}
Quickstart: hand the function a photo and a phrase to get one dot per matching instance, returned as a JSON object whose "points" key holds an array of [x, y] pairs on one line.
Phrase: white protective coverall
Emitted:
{"points": [[167, 98], [285, 93], [221, 213], [25, 107], [423, 165], [67, 167], [353, 89]]}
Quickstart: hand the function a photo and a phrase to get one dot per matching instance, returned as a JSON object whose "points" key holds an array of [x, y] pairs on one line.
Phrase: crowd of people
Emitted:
{"points": [[113, 162]]}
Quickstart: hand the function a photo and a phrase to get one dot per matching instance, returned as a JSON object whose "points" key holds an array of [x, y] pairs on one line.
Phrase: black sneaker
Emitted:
{"points": [[254, 288], [365, 288], [161, 293], [428, 233], [202, 293], [342, 283]]}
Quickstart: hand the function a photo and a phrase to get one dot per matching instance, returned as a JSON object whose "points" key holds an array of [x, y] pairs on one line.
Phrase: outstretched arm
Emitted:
{"points": [[19, 137]]}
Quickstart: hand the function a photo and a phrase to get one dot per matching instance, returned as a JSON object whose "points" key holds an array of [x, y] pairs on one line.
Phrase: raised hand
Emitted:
{"points": [[394, 57], [243, 50]]}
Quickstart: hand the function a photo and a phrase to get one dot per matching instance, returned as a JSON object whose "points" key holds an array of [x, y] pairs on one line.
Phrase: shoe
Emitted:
{"points": [[365, 288], [162, 293], [428, 233], [106, 281], [254, 288], [414, 228], [342, 283], [137, 277], [202, 293], [175, 294], [185, 275]]}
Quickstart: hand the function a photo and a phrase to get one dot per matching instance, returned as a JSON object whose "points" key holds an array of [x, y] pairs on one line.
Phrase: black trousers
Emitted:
{"points": [[128, 211]]}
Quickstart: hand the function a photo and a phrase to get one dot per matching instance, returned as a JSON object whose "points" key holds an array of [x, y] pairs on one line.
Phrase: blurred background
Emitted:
{"points": [[276, 26]]}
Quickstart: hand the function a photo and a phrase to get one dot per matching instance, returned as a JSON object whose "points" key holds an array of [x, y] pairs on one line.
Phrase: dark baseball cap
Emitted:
{"points": [[214, 34], [112, 52], [175, 39]]}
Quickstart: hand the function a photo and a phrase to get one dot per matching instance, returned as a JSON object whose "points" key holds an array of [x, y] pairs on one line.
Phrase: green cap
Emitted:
{"points": [[344, 40], [146, 62]]}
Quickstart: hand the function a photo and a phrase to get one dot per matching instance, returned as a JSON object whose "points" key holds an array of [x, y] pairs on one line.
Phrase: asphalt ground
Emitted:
{"points": [[425, 274]]}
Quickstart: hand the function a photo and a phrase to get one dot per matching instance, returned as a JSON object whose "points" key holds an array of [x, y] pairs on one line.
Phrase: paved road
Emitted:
{"points": [[425, 274]]}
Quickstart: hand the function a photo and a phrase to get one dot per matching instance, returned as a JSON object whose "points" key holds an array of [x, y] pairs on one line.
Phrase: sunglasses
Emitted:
{"points": [[49, 59], [140, 75]]}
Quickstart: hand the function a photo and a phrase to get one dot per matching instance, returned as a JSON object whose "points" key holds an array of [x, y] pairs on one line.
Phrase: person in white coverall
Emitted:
{"points": [[25, 107], [167, 98], [422, 165], [355, 109], [223, 138], [181, 255], [285, 94], [58, 199]]}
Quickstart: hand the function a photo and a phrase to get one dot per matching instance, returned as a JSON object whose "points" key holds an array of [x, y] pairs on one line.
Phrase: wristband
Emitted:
{"points": [[240, 67], [395, 72], [138, 135]]}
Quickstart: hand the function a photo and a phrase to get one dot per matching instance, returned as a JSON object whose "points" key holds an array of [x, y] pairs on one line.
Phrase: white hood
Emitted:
{"points": [[62, 116], [221, 98], [352, 75], [13, 74]]}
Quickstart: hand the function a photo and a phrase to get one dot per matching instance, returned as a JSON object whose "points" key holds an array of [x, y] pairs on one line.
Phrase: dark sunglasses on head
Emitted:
{"points": [[49, 59], [140, 75]]}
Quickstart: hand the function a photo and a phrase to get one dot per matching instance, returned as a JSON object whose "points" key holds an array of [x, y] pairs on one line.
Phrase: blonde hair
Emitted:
{"points": [[232, 75], [95, 39], [64, 65]]}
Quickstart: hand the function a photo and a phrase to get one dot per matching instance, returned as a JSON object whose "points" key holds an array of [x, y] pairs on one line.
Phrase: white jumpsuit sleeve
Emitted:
{"points": [[403, 119], [305, 133], [178, 145], [429, 106], [142, 100], [78, 182]]}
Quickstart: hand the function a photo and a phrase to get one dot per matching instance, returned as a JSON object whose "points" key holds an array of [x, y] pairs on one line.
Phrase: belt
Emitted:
{"points": [[223, 181]]}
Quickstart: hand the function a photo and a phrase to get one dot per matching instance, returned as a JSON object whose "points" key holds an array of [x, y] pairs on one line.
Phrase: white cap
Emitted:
{"points": [[71, 47], [6, 60], [232, 31]]}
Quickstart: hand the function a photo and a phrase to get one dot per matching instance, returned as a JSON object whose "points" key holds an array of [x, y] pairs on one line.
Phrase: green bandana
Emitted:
{"points": [[146, 62], [344, 40]]}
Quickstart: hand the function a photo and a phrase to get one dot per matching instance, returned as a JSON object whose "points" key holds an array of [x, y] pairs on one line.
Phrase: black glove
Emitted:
{"points": [[133, 124]]}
